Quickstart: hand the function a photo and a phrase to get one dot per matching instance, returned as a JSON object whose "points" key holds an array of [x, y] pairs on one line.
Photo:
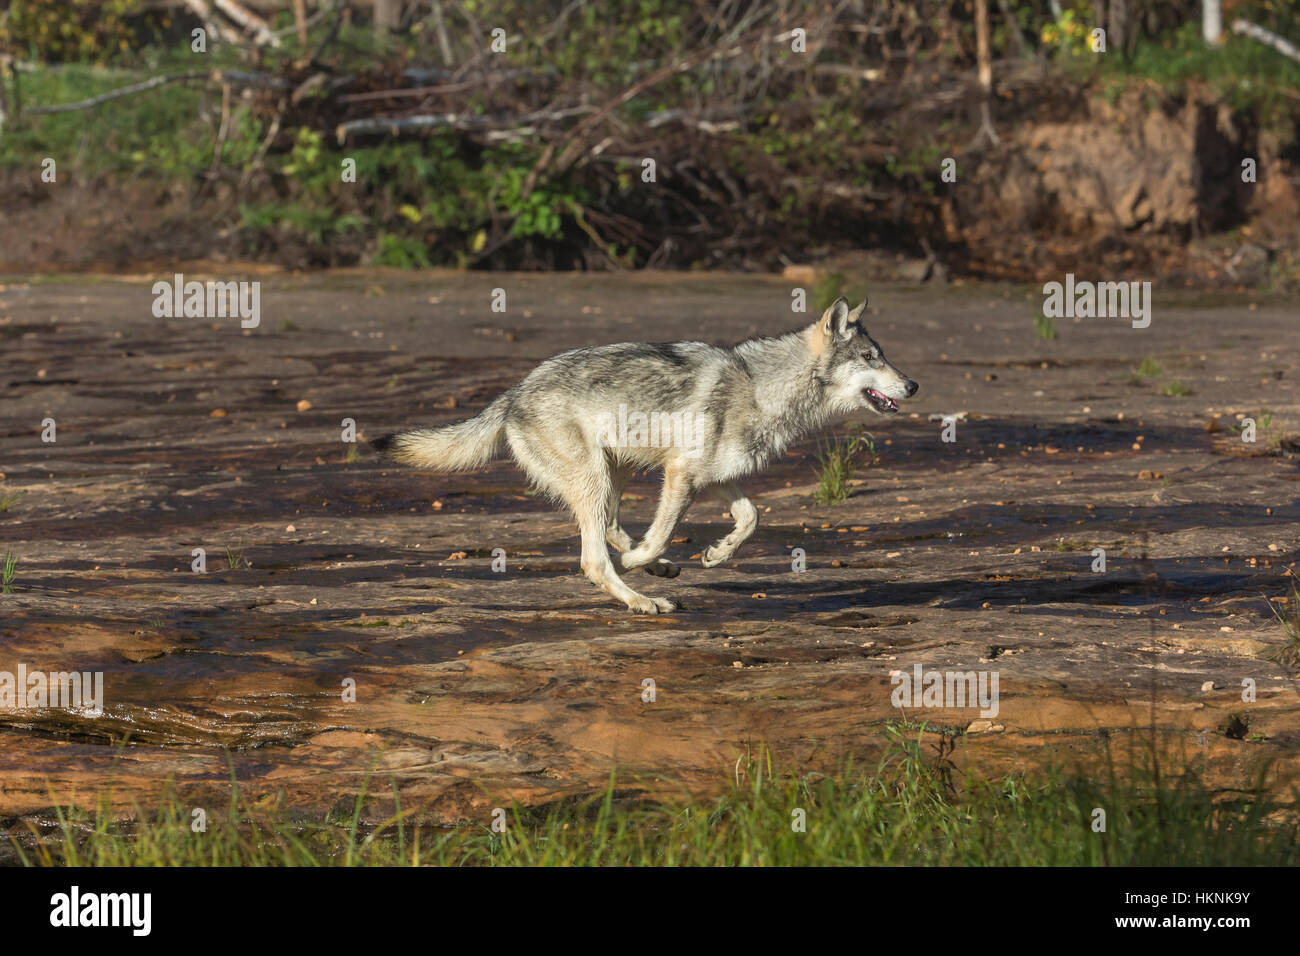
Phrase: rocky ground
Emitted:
{"points": [[475, 687]]}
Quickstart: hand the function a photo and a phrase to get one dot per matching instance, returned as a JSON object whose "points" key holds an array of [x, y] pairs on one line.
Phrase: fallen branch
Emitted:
{"points": [[466, 122], [250, 21], [460, 87], [222, 77], [1256, 32], [709, 122], [200, 9], [150, 84], [240, 78]]}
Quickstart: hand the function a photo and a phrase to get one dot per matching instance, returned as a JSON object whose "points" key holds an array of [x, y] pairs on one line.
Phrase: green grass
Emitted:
{"points": [[8, 501], [836, 460], [908, 810], [236, 560], [1148, 368], [1288, 655], [7, 570], [1044, 326], [1175, 389]]}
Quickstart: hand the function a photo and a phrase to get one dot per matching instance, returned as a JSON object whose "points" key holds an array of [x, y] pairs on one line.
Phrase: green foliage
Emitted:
{"points": [[87, 31], [314, 223], [402, 253], [601, 42], [1071, 34], [1246, 73], [538, 213], [1044, 326]]}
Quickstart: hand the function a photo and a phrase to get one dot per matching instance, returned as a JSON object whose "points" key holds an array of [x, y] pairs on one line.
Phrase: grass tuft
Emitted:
{"points": [[1148, 368], [836, 460], [1288, 655]]}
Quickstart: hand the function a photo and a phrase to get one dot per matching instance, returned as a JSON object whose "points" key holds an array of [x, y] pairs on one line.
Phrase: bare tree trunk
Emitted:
{"points": [[440, 27], [300, 17], [388, 17], [1117, 26], [1212, 21], [984, 68], [983, 52]]}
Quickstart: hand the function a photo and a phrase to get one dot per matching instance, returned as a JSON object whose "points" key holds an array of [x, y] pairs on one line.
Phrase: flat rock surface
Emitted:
{"points": [[326, 566]]}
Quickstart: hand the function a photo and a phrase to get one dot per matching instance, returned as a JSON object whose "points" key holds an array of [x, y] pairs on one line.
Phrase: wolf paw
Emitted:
{"points": [[648, 605], [663, 568], [712, 556]]}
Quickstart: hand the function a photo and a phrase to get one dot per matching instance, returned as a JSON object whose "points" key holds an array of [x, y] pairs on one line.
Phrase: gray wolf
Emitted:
{"points": [[582, 423]]}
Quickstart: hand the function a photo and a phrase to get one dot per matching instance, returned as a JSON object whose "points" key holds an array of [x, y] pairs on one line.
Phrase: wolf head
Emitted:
{"points": [[852, 365]]}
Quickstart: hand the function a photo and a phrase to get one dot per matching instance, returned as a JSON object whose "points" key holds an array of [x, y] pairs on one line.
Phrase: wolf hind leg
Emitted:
{"points": [[596, 564], [746, 515], [617, 538], [558, 465]]}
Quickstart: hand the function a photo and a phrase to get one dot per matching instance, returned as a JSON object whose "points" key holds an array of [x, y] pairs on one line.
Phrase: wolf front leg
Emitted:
{"points": [[674, 499], [746, 516]]}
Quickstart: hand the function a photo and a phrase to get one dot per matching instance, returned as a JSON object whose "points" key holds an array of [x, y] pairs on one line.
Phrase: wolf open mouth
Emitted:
{"points": [[880, 401]]}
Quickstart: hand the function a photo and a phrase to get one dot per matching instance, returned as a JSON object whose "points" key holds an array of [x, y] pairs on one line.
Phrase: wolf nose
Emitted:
{"points": [[911, 388]]}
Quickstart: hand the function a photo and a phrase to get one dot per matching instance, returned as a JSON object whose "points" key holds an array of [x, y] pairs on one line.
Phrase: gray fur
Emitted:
{"points": [[721, 414]]}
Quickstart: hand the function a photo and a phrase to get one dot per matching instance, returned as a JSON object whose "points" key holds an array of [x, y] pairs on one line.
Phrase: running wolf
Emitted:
{"points": [[582, 423]]}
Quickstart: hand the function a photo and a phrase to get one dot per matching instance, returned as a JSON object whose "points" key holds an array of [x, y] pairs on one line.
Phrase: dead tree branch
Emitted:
{"points": [[150, 84], [1256, 32]]}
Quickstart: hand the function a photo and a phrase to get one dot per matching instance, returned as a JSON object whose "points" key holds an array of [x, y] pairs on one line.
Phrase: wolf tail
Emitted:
{"points": [[458, 447]]}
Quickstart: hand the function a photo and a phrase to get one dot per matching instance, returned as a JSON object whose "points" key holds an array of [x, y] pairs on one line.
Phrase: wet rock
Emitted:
{"points": [[333, 638]]}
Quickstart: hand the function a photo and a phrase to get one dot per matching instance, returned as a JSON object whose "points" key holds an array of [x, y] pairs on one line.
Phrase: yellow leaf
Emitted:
{"points": [[479, 241]]}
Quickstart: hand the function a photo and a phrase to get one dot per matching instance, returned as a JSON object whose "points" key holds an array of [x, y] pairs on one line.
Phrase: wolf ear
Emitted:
{"points": [[855, 317], [835, 320]]}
